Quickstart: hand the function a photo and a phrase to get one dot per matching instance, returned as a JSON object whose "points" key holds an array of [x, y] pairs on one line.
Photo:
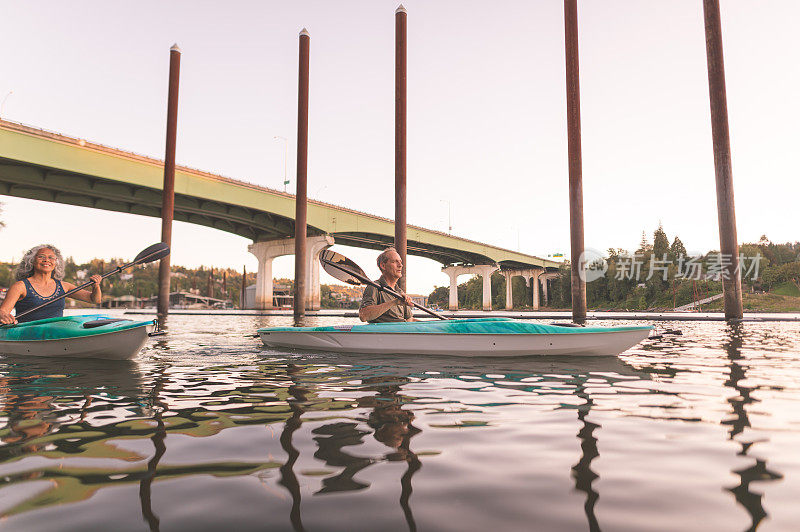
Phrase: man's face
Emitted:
{"points": [[393, 266]]}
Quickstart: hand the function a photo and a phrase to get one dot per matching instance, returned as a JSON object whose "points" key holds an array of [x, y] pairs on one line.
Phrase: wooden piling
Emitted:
{"points": [[575, 164], [729, 246], [301, 197], [243, 292], [400, 141], [168, 192]]}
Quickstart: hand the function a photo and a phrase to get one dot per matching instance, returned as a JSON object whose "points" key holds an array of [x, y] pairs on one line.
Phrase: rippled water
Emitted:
{"points": [[209, 430]]}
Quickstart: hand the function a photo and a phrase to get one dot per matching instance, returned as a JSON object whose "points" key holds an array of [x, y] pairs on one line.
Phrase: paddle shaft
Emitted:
{"points": [[85, 285], [384, 288]]}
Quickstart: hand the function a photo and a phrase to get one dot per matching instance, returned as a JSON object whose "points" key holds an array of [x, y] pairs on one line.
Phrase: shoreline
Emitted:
{"points": [[529, 315]]}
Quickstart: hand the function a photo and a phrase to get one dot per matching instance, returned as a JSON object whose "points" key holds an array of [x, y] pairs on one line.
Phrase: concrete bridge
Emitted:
{"points": [[47, 166]]}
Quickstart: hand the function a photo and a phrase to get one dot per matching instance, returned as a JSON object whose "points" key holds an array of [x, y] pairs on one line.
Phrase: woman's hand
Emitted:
{"points": [[6, 318]]}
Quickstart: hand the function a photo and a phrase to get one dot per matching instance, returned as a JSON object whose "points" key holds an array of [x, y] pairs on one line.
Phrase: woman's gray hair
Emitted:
{"points": [[25, 266]]}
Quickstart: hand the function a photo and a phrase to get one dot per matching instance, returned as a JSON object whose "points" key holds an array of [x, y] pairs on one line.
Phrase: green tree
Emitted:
{"points": [[440, 297], [660, 242], [644, 246], [677, 249]]}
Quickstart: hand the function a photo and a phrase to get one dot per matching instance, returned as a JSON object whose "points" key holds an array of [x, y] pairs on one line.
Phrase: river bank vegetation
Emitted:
{"points": [[658, 275]]}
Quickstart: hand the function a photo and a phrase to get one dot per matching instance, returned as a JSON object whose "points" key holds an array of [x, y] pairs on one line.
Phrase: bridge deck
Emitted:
{"points": [[48, 166]]}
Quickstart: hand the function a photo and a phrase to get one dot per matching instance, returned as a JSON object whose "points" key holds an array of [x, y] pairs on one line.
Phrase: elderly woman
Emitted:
{"points": [[39, 277]]}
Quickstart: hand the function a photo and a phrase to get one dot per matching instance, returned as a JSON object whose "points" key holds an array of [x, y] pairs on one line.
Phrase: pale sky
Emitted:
{"points": [[486, 116]]}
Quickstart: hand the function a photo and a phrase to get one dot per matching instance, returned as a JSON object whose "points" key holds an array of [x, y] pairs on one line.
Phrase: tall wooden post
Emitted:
{"points": [[301, 197], [168, 193], [728, 244], [575, 169], [243, 294], [400, 140]]}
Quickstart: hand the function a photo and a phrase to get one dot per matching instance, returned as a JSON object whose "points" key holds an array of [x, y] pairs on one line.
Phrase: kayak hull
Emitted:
{"points": [[506, 341], [119, 340]]}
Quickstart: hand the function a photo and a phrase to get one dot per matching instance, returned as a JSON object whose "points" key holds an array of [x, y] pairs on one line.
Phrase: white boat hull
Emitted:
{"points": [[609, 343], [114, 345]]}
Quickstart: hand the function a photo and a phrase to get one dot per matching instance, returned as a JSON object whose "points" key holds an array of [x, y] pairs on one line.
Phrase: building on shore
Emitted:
{"points": [[281, 296], [188, 300]]}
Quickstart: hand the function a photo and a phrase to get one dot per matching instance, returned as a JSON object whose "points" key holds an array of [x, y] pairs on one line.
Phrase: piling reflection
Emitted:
{"points": [[739, 422], [159, 448], [297, 396], [90, 426], [582, 471]]}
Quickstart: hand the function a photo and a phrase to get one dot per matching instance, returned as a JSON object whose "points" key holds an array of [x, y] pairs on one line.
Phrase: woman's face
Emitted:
{"points": [[45, 261]]}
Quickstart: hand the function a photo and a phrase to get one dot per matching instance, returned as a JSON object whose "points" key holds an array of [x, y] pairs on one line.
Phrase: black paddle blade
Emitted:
{"points": [[152, 253], [341, 268]]}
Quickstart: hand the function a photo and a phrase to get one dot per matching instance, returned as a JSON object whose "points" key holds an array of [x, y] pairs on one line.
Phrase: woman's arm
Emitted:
{"points": [[14, 294], [95, 296]]}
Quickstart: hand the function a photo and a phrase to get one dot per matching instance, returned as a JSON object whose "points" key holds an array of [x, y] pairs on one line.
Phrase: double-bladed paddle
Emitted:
{"points": [[347, 271], [150, 254]]}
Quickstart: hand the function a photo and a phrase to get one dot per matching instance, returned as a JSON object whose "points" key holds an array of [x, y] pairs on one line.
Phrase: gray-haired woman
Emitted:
{"points": [[39, 277]]}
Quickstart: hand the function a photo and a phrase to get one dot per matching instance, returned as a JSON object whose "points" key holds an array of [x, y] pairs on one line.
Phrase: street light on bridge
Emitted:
{"points": [[285, 157], [3, 103]]}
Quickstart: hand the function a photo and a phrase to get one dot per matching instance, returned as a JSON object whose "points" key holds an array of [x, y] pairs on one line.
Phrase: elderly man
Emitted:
{"points": [[378, 306]]}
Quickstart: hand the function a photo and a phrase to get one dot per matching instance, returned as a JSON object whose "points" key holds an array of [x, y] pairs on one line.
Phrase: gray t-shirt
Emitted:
{"points": [[373, 296]]}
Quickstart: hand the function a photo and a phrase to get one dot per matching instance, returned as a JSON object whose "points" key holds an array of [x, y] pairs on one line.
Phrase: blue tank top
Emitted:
{"points": [[33, 299]]}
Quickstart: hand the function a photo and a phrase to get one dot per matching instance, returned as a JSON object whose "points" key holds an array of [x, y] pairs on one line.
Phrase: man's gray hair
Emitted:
{"points": [[384, 256], [25, 266]]}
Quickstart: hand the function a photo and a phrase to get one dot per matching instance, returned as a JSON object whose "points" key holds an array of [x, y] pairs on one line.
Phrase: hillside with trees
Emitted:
{"points": [[658, 275]]}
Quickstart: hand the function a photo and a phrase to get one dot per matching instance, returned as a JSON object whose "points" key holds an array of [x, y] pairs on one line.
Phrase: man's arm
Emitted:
{"points": [[371, 312], [370, 308]]}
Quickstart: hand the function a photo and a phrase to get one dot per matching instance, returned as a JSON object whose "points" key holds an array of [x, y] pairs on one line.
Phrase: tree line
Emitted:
{"points": [[659, 274]]}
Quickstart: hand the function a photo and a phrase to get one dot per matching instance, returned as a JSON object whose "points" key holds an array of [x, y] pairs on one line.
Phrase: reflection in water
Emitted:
{"points": [[288, 478], [582, 471], [750, 500], [393, 428], [159, 445], [188, 412]]}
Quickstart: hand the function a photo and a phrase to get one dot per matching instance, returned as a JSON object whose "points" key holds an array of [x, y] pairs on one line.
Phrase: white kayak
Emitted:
{"points": [[92, 336], [494, 337]]}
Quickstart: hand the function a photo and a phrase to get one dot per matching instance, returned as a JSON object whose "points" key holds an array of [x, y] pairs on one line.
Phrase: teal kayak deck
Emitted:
{"points": [[64, 328], [458, 326]]}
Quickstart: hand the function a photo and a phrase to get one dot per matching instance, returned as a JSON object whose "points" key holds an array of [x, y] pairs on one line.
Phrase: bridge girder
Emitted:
{"points": [[47, 166], [44, 184]]}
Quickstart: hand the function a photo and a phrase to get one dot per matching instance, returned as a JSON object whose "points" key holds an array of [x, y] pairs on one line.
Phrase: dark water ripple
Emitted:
{"points": [[208, 430]]}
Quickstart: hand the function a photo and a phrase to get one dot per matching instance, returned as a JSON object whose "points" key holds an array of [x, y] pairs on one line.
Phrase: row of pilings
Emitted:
{"points": [[732, 287]]}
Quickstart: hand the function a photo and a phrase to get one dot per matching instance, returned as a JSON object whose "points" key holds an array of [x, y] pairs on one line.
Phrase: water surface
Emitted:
{"points": [[207, 429]]}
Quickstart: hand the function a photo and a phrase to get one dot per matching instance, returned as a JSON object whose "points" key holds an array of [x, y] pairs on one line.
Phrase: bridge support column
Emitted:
{"points": [[531, 276], [453, 272], [544, 280], [509, 292], [545, 277], [315, 246], [535, 285], [265, 252], [485, 271]]}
